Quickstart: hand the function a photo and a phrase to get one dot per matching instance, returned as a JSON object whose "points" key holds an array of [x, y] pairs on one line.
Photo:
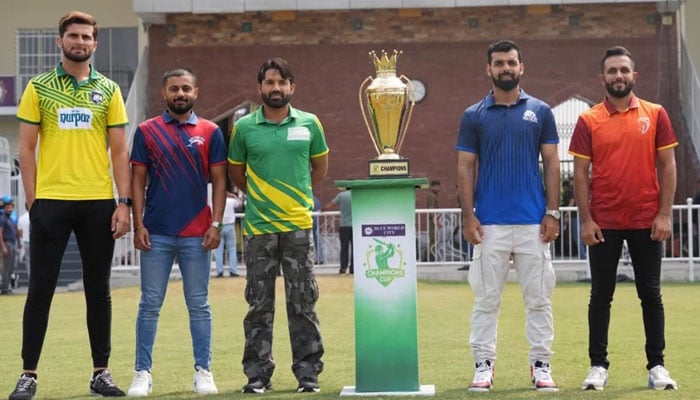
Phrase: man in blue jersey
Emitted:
{"points": [[277, 155], [508, 214], [174, 156]]}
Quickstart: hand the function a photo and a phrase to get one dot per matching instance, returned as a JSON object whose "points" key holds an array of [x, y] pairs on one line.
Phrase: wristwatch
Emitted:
{"points": [[218, 225], [554, 214], [125, 200]]}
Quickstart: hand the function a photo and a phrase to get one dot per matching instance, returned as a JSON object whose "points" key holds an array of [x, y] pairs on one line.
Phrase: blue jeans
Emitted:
{"points": [[228, 239], [156, 264]]}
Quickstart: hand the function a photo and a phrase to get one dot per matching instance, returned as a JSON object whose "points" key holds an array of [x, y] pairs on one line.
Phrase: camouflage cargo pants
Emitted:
{"points": [[265, 254]]}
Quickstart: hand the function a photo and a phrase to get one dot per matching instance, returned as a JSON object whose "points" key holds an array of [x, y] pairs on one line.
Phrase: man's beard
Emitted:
{"points": [[506, 85], [619, 93], [180, 108], [275, 103], [77, 57]]}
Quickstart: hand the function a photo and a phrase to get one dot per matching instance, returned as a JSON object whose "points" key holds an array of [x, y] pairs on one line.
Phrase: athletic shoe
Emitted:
{"points": [[597, 378], [204, 382], [141, 385], [541, 374], [25, 389], [483, 377], [102, 384], [257, 385], [308, 385], [659, 379]]}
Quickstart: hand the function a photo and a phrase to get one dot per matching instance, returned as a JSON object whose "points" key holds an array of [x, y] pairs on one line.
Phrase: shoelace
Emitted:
{"points": [[105, 378], [483, 372], [24, 383]]}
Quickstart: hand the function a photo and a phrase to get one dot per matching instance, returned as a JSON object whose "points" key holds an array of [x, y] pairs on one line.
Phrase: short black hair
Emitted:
{"points": [[180, 71], [280, 64], [615, 51], [503, 46]]}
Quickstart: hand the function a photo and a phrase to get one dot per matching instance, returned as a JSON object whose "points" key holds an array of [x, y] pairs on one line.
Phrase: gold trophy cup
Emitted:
{"points": [[387, 101]]}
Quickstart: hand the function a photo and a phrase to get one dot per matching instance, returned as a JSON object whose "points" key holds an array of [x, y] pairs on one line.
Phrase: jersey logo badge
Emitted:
{"points": [[198, 140], [643, 123], [299, 133], [96, 96], [530, 116]]}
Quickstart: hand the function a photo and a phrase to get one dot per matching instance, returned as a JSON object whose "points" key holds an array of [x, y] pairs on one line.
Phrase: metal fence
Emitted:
{"points": [[439, 240]]}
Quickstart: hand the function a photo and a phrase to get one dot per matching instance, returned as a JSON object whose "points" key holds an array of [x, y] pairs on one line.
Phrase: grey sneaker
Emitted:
{"points": [[257, 385], [660, 379], [308, 385], [25, 389], [102, 384], [596, 380]]}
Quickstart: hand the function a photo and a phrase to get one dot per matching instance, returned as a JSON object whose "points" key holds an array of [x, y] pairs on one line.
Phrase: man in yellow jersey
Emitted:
{"points": [[76, 118], [277, 154]]}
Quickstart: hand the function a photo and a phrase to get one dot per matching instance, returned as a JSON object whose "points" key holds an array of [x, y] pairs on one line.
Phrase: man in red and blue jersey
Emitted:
{"points": [[175, 155]]}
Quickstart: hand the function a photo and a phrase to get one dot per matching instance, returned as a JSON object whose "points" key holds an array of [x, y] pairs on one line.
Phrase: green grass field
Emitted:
{"points": [[445, 358]]}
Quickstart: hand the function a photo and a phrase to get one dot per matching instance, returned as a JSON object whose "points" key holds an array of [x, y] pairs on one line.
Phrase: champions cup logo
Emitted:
{"points": [[384, 262], [387, 102]]}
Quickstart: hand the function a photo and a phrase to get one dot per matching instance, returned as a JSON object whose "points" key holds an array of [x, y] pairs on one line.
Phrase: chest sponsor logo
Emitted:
{"points": [[74, 118], [530, 116], [644, 123], [196, 140], [299, 133]]}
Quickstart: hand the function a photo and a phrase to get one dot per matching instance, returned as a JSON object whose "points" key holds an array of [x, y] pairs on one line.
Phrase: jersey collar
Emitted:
{"points": [[634, 103], [191, 120], [490, 101], [260, 118], [62, 72]]}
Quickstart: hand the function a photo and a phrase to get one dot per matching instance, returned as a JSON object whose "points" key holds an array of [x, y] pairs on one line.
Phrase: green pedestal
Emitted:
{"points": [[384, 260]]}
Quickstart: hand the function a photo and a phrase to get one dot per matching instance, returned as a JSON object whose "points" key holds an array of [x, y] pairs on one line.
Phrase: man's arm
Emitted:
{"points": [[549, 229], [28, 138], [466, 178], [661, 227], [237, 174], [122, 173], [138, 191], [319, 169], [590, 231], [217, 174]]}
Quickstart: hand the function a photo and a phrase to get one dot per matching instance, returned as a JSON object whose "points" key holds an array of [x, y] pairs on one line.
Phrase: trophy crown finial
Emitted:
{"points": [[385, 62]]}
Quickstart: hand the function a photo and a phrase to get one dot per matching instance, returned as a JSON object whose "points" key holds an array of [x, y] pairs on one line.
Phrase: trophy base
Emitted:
{"points": [[388, 168]]}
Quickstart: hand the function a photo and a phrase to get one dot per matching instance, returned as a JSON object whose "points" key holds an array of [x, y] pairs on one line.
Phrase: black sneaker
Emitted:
{"points": [[102, 384], [25, 389], [308, 385], [257, 385]]}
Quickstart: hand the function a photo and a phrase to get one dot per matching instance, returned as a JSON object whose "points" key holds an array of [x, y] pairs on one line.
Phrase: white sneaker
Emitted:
{"points": [[541, 374], [596, 380], [659, 379], [141, 385], [204, 382], [483, 377]]}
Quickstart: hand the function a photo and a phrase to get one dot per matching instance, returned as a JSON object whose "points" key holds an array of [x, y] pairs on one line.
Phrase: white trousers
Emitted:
{"points": [[487, 276]]}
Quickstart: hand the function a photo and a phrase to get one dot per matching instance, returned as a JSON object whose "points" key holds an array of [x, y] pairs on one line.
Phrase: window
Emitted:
{"points": [[116, 55]]}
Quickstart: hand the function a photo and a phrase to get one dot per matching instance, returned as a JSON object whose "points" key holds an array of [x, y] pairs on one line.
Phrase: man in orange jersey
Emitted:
{"points": [[624, 138]]}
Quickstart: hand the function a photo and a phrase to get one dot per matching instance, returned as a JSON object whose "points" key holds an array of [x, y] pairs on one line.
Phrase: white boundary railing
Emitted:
{"points": [[443, 245]]}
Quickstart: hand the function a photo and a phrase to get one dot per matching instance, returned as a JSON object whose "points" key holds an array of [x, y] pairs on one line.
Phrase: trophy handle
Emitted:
{"points": [[363, 85], [407, 116]]}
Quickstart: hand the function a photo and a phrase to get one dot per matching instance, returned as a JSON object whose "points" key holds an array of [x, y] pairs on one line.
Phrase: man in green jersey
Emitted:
{"points": [[73, 115], [277, 154]]}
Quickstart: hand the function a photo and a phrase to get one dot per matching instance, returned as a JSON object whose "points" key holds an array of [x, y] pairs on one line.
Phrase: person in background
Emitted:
{"points": [[72, 113], [622, 141], [228, 237], [509, 212], [10, 237], [175, 155], [343, 201], [278, 155], [433, 221]]}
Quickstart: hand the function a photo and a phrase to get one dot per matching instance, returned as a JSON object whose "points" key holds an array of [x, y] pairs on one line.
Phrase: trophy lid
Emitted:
{"points": [[385, 62]]}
